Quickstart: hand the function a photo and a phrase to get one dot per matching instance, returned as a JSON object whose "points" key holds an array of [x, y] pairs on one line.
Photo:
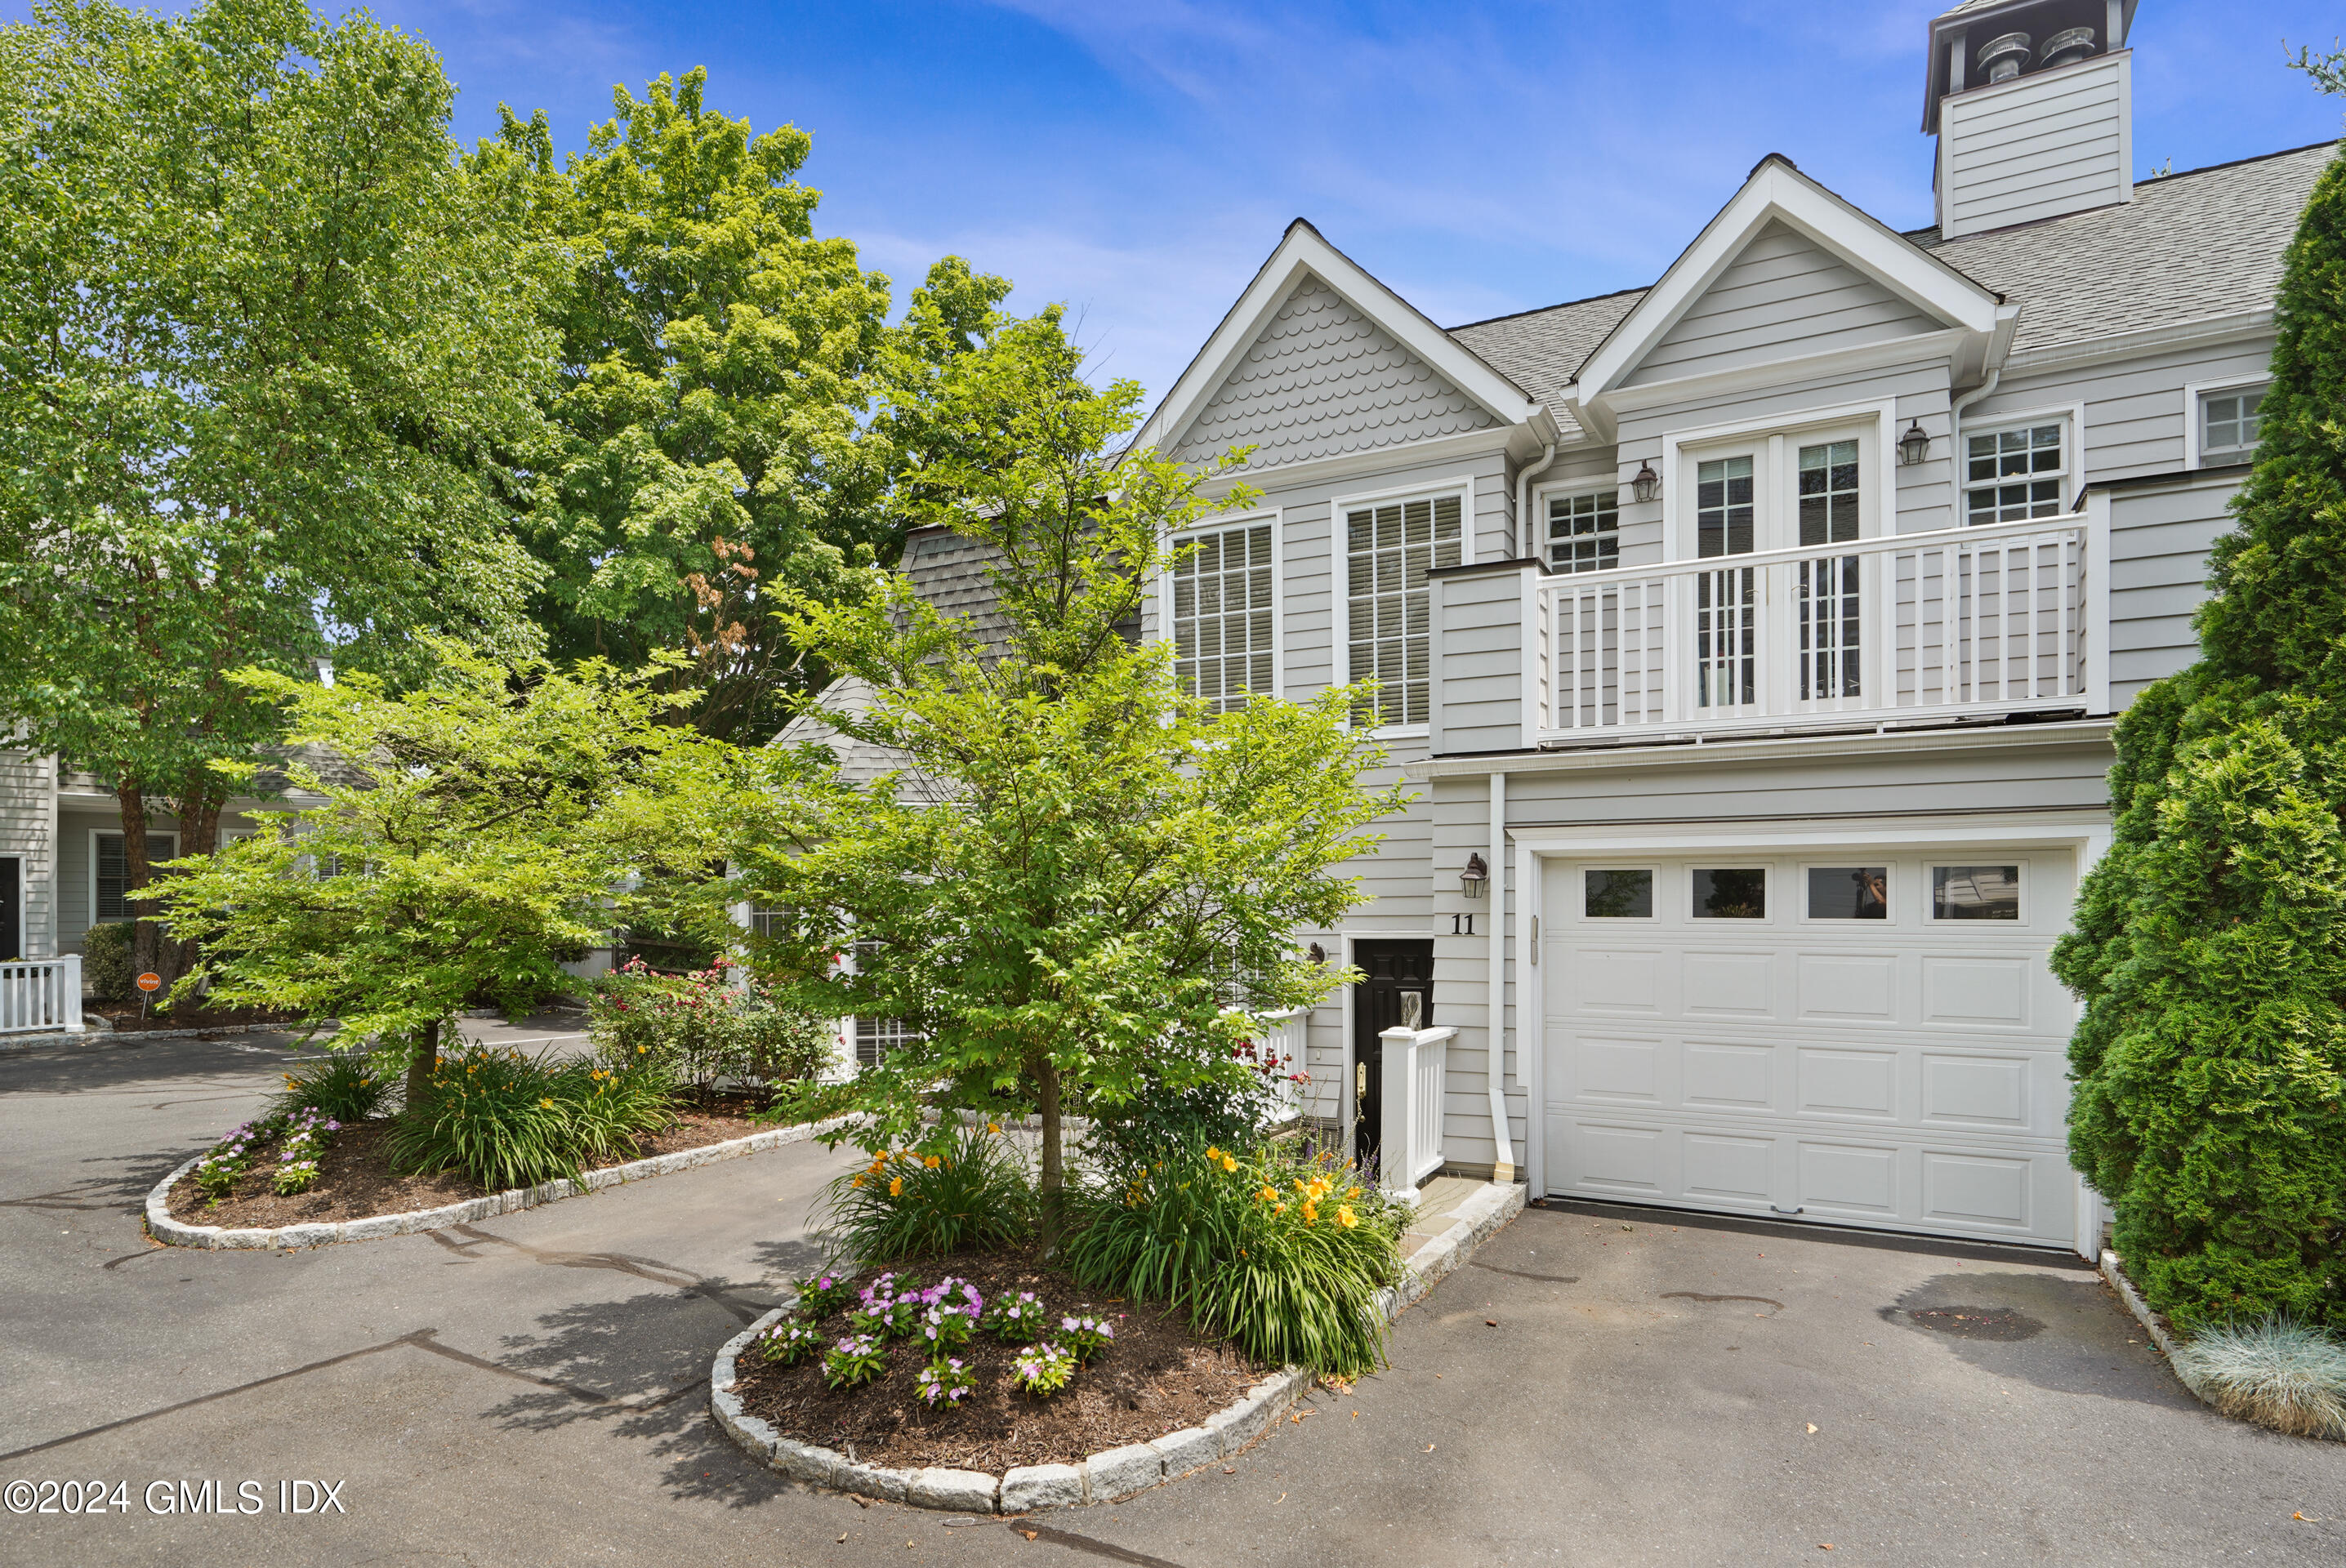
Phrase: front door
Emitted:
{"points": [[12, 925], [1396, 987]]}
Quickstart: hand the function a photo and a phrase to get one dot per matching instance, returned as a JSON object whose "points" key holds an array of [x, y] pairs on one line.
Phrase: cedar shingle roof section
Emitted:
{"points": [[2191, 246]]}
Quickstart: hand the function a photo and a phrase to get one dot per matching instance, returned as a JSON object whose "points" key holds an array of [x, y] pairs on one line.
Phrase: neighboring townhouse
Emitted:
{"points": [[1752, 640]]}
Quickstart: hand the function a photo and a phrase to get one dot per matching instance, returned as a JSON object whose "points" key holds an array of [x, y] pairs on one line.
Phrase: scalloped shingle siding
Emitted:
{"points": [[1322, 380]]}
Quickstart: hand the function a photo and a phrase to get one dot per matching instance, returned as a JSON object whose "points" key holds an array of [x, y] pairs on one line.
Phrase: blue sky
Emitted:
{"points": [[1138, 160]]}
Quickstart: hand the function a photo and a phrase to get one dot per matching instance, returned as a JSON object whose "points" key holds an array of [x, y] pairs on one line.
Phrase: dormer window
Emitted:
{"points": [[2010, 476], [2229, 423]]}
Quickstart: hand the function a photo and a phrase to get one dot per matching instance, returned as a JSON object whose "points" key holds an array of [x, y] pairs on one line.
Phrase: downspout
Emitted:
{"points": [[1523, 500], [1496, 1068], [1955, 427]]}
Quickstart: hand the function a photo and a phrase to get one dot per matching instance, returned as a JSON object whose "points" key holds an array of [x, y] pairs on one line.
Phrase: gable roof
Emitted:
{"points": [[1777, 192], [1541, 350], [1302, 252]]}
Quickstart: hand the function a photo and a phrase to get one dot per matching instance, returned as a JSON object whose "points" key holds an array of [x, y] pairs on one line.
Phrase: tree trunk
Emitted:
{"points": [[200, 806], [425, 1063], [1046, 1074], [146, 936]]}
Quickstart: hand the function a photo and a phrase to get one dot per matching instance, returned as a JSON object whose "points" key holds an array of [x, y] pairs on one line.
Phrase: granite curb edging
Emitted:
{"points": [[1113, 1474], [513, 1200]]}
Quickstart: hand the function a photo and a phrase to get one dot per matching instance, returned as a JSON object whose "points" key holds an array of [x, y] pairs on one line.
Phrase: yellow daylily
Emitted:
{"points": [[896, 1188], [931, 1162], [1311, 1212], [1268, 1195], [546, 1105], [993, 1127], [1345, 1217]]}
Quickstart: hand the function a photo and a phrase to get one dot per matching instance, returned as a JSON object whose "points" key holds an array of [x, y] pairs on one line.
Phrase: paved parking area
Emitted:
{"points": [[528, 1390]]}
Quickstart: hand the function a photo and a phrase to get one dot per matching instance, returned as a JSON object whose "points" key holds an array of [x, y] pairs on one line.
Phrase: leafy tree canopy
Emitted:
{"points": [[1079, 871], [724, 445], [478, 828], [2210, 943], [260, 344]]}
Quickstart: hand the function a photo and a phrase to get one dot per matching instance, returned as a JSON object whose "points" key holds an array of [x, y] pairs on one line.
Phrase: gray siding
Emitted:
{"points": [[1323, 379], [2159, 540], [2133, 410], [1782, 296], [2037, 147], [1479, 625], [24, 811]]}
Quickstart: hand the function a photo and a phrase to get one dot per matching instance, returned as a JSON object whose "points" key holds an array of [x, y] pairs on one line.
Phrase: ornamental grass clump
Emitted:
{"points": [[969, 1193], [2279, 1373], [343, 1088], [1282, 1254], [506, 1120]]}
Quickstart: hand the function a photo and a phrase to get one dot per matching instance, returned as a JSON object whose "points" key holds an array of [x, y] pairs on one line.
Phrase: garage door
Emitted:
{"points": [[1863, 1038]]}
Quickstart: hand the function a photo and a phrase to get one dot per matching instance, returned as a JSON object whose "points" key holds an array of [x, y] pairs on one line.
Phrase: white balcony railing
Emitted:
{"points": [[41, 997], [1989, 619], [1409, 1141]]}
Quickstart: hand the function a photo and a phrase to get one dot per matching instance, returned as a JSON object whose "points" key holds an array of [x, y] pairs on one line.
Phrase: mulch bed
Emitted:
{"points": [[355, 1180], [1158, 1377], [126, 1016]]}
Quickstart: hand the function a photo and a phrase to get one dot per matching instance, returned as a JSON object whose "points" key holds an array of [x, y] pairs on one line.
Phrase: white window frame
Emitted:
{"points": [[1770, 893], [1546, 495], [1580, 905], [1276, 517], [2072, 477], [1339, 591], [1931, 864], [98, 833], [1890, 919], [1774, 447], [2195, 418]]}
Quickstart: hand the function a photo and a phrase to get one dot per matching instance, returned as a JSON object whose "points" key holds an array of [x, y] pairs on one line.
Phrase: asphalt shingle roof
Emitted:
{"points": [[2195, 245]]}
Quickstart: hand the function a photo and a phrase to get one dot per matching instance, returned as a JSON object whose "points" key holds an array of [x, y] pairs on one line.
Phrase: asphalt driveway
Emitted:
{"points": [[530, 1390]]}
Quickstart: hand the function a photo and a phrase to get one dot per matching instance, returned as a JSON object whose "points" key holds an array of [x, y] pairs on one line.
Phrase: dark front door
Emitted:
{"points": [[1396, 987], [12, 925]]}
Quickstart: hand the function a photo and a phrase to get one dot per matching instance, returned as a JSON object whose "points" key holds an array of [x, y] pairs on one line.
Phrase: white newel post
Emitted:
{"points": [[68, 992], [1409, 1133]]}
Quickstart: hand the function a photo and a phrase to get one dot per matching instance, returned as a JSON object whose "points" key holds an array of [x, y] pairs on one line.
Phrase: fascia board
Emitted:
{"points": [[1922, 348], [1304, 252], [1777, 191]]}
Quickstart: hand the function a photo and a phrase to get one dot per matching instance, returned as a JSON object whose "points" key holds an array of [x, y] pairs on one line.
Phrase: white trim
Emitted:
{"points": [[1796, 364], [2195, 396], [1935, 737], [2094, 560], [1934, 921], [1162, 630], [1495, 1033], [1600, 841], [1778, 191], [1302, 252], [1531, 1011], [1340, 592], [1678, 523]]}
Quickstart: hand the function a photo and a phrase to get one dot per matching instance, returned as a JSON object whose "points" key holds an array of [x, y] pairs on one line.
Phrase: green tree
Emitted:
{"points": [[2210, 943], [724, 367], [259, 344], [1078, 870], [477, 828]]}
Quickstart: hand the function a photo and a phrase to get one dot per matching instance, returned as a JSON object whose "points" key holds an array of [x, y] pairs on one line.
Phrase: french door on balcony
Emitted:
{"points": [[1726, 600], [1732, 676]]}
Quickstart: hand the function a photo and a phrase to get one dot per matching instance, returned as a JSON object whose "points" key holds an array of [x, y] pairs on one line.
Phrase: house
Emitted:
{"points": [[1753, 641]]}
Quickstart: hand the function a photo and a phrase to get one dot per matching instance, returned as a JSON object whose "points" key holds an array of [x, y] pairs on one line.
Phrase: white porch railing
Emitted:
{"points": [[1955, 620], [41, 997], [1278, 1040], [1409, 1142]]}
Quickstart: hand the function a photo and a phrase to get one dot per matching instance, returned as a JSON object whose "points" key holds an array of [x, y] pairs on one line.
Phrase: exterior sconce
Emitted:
{"points": [[1915, 445], [1475, 877], [1319, 955], [1646, 484]]}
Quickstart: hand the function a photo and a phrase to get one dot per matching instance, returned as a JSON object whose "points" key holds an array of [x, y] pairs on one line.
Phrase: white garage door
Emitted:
{"points": [[1866, 1038]]}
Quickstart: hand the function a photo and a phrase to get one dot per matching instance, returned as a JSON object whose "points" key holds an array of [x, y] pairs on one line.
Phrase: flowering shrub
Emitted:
{"points": [[306, 1138], [217, 1173], [823, 1295], [856, 1360], [1085, 1336], [1018, 1317], [945, 1382], [789, 1342], [894, 1303], [703, 1028], [1042, 1368]]}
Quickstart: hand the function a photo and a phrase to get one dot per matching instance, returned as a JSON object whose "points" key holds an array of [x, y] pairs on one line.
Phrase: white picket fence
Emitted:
{"points": [[41, 997], [1409, 1142], [1280, 1038]]}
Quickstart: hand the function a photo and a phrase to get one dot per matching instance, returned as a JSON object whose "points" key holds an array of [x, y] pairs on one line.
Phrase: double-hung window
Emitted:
{"points": [[1389, 548], [2229, 423], [1222, 622], [111, 874], [2016, 474], [1584, 532]]}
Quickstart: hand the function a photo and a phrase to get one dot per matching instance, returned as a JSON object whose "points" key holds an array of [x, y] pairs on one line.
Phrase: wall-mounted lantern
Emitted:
{"points": [[1915, 445], [1646, 484], [1319, 955], [1475, 878]]}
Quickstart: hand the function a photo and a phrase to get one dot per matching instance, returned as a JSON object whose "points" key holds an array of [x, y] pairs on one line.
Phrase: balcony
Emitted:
{"points": [[1917, 627]]}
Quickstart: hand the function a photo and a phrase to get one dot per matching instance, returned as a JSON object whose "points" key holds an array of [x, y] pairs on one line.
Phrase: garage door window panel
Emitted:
{"points": [[1986, 893], [1734, 893], [1839, 893], [1618, 894]]}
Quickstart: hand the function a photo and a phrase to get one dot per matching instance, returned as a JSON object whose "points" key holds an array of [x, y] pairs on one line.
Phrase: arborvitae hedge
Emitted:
{"points": [[2210, 943]]}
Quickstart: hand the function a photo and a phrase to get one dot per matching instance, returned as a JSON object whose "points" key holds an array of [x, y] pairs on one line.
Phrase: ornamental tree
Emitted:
{"points": [[2209, 944], [1080, 885], [476, 829], [262, 346]]}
